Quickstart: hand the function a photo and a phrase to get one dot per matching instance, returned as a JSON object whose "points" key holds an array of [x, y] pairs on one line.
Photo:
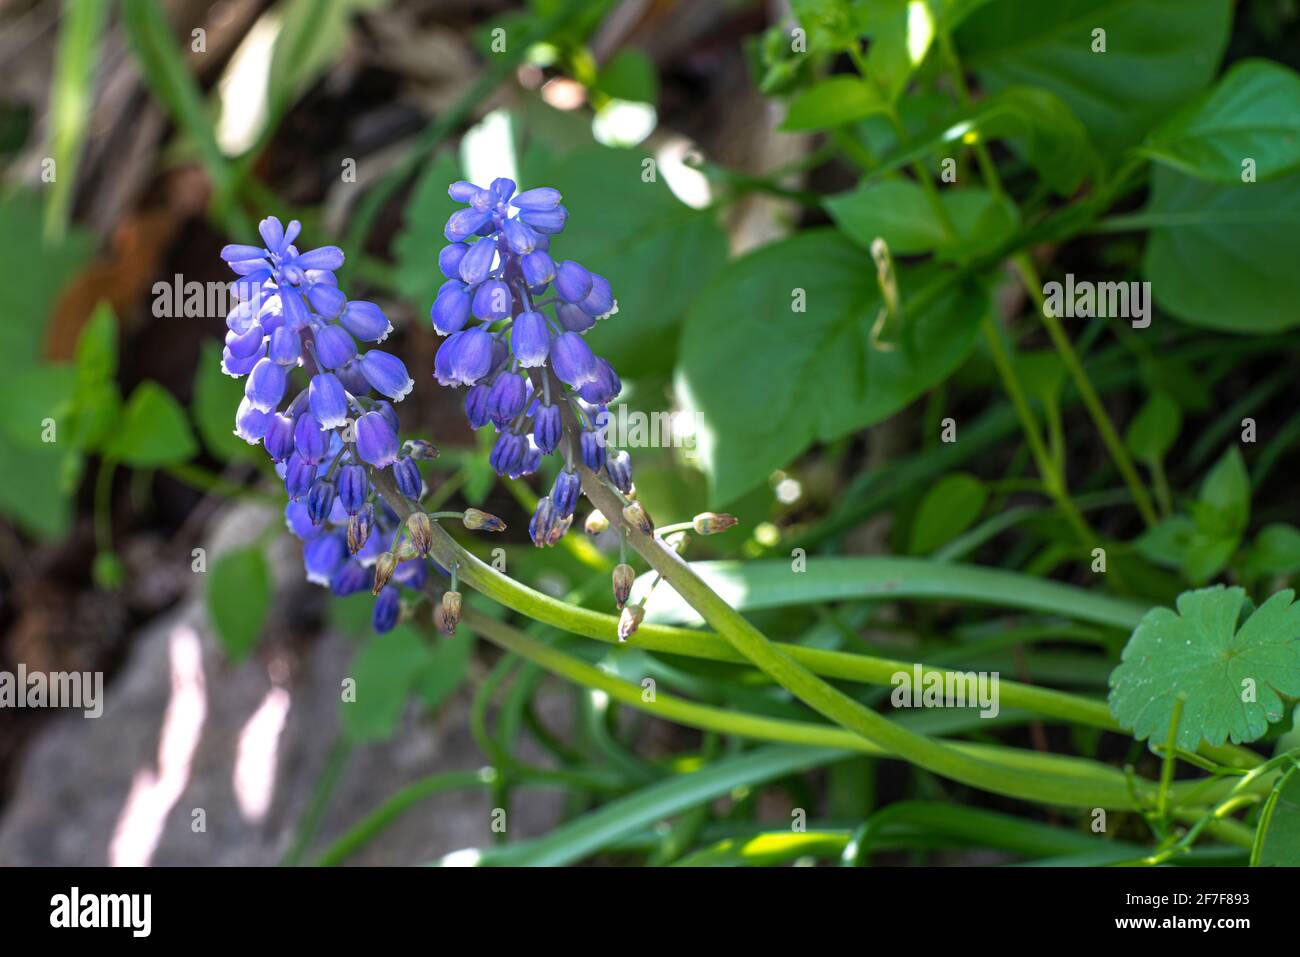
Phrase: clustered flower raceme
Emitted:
{"points": [[291, 313], [493, 312]]}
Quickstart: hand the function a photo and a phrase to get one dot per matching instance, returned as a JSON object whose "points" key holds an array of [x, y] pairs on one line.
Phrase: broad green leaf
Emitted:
{"points": [[947, 510], [385, 670], [72, 95], [1222, 257], [215, 396], [32, 274], [629, 75], [40, 396], [898, 211], [239, 594], [416, 247], [756, 585], [1253, 113], [1278, 841], [153, 430], [446, 667], [833, 102], [1275, 551], [901, 33], [656, 252], [778, 354], [1036, 121], [1229, 673], [36, 484], [1158, 54], [1154, 429]]}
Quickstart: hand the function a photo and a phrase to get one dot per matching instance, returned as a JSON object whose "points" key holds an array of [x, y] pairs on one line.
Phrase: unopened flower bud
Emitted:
{"points": [[629, 621], [636, 516], [449, 612], [710, 523], [623, 577], [596, 522], [475, 519], [406, 551], [418, 527], [385, 565], [359, 527], [421, 450]]}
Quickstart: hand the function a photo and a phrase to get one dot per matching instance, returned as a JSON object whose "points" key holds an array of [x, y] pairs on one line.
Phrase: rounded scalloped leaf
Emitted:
{"points": [[1229, 673]]}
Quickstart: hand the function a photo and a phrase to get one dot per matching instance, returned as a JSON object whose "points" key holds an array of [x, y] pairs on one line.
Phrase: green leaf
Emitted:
{"points": [[1154, 429], [1159, 53], [36, 485], [1228, 673], [1275, 551], [158, 54], [1226, 493], [215, 395], [1221, 257], [72, 96], [629, 75], [585, 835], [385, 669], [96, 399], [1252, 113], [756, 585], [446, 667], [832, 25], [1278, 838], [898, 211], [312, 35], [901, 35], [949, 508], [40, 393], [806, 376], [831, 103], [153, 430], [417, 245], [32, 274], [96, 358], [1036, 121], [656, 252], [239, 594]]}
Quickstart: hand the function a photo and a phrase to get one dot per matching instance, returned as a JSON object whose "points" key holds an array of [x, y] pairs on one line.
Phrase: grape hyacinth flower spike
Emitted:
{"points": [[327, 434], [515, 319]]}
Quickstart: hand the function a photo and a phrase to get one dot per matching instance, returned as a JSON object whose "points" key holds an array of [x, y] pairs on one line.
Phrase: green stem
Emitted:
{"points": [[383, 816], [1053, 480], [1091, 401]]}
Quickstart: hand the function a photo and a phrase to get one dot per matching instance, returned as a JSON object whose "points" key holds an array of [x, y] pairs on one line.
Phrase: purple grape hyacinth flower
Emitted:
{"points": [[515, 316], [327, 431]]}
